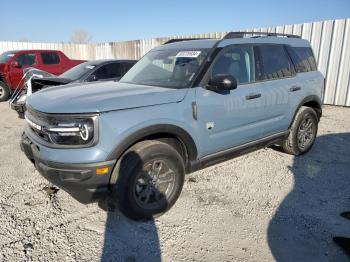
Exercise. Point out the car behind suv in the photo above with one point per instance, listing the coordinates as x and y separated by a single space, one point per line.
184 106
91 71
12 64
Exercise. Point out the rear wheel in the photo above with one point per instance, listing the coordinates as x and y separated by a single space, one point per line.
302 133
4 92
150 179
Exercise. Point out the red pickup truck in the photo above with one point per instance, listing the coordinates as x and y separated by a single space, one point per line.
12 64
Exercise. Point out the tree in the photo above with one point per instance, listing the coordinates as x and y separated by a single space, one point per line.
80 36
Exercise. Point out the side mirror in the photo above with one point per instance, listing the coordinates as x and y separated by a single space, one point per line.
16 64
222 83
91 78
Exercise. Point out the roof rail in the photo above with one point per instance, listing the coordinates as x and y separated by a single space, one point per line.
182 39
231 35
258 34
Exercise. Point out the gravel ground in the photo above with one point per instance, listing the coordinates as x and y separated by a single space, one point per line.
263 206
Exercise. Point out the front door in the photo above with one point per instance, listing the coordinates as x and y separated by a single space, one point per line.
16 73
255 109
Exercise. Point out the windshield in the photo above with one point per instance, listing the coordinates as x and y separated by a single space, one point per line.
166 68
6 56
78 71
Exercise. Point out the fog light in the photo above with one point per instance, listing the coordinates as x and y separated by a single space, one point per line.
102 170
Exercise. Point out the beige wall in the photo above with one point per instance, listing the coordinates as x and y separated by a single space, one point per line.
330 41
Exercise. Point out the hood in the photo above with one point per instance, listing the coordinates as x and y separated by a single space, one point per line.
101 97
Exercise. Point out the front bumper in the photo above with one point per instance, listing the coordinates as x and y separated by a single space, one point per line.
79 180
19 108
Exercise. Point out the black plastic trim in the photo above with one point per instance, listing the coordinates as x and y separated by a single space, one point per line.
236 151
176 131
311 98
231 35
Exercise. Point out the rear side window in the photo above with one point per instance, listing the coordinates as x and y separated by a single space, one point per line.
109 71
274 62
303 59
237 61
51 58
26 59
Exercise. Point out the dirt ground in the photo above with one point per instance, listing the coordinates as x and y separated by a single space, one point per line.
263 206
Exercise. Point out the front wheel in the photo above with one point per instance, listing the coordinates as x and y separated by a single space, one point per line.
4 92
302 133
150 176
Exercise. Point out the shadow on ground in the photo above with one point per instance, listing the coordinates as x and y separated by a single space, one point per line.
126 239
306 221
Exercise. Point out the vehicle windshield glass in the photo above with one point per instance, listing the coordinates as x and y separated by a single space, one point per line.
78 71
166 68
6 56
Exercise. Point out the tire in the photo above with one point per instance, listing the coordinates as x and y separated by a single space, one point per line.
4 92
142 175
305 126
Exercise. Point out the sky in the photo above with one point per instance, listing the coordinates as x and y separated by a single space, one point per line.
108 20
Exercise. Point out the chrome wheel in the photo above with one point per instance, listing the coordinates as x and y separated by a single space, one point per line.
2 91
154 184
306 133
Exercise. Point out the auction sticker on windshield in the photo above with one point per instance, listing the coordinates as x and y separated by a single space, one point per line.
192 54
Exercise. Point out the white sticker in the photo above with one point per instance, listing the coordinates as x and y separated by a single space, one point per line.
192 54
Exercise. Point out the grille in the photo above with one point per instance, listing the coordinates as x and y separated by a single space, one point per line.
39 119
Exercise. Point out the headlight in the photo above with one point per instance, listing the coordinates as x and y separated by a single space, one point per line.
73 132
22 99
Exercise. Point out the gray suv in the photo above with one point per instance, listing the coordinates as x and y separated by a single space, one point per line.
185 105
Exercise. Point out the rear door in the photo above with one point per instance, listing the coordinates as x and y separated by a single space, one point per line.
277 76
254 110
51 62
308 81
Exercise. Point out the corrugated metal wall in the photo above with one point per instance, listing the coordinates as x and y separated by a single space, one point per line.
330 41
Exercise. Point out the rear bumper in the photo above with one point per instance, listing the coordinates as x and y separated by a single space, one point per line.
19 108
79 180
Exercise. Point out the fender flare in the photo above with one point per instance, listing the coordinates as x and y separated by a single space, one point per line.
311 98
142 133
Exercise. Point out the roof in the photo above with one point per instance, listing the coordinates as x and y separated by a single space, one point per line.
209 43
33 50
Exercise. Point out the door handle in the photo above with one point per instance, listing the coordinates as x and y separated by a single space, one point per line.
252 96
294 88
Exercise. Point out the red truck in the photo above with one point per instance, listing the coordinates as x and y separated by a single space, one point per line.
12 64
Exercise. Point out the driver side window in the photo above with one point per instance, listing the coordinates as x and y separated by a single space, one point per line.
237 61
26 59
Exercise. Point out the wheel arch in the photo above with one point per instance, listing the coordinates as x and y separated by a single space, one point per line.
168 133
310 101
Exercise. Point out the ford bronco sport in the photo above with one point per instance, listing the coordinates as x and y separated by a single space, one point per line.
184 106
